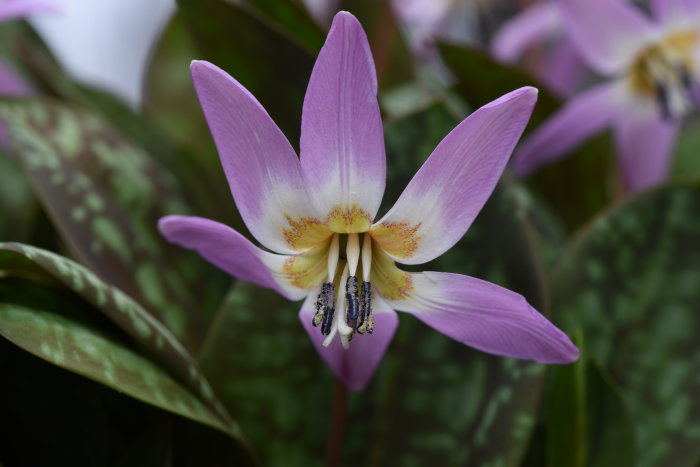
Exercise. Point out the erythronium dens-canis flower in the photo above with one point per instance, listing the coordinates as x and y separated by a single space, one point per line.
315 215
653 81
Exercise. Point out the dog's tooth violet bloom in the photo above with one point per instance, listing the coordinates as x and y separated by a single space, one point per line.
653 68
316 213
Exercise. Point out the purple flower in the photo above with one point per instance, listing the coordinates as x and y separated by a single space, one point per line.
316 213
653 72
541 27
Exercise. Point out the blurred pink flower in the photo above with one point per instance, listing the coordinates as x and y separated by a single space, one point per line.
652 68
541 27
426 21
316 213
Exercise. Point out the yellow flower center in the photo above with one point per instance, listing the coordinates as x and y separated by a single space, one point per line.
667 72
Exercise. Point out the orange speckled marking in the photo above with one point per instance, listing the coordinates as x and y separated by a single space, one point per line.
351 219
391 282
307 270
304 232
399 239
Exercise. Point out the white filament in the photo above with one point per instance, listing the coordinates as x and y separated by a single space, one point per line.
341 303
366 257
352 251
339 324
333 255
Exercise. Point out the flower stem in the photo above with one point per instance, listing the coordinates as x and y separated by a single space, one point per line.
337 429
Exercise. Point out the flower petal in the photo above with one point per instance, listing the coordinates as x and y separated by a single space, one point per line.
609 33
18 8
675 11
262 169
106 43
355 366
644 148
535 25
342 138
563 71
485 316
583 116
444 197
291 276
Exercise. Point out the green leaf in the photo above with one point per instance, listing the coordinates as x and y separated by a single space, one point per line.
261 363
56 417
588 423
77 347
273 66
18 207
105 196
293 17
19 260
630 282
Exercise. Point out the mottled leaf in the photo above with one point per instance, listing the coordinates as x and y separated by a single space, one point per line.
76 347
55 417
631 282
105 196
27 261
587 422
272 65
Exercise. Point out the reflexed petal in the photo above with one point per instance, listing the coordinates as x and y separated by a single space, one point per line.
444 197
342 138
262 169
106 43
355 366
485 316
644 148
536 24
609 33
291 276
11 9
583 116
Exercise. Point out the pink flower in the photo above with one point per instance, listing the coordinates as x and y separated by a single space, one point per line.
316 213
541 27
652 68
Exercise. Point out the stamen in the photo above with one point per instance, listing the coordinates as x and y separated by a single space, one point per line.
333 255
351 295
366 257
366 320
321 304
326 300
352 251
342 324
662 96
339 321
